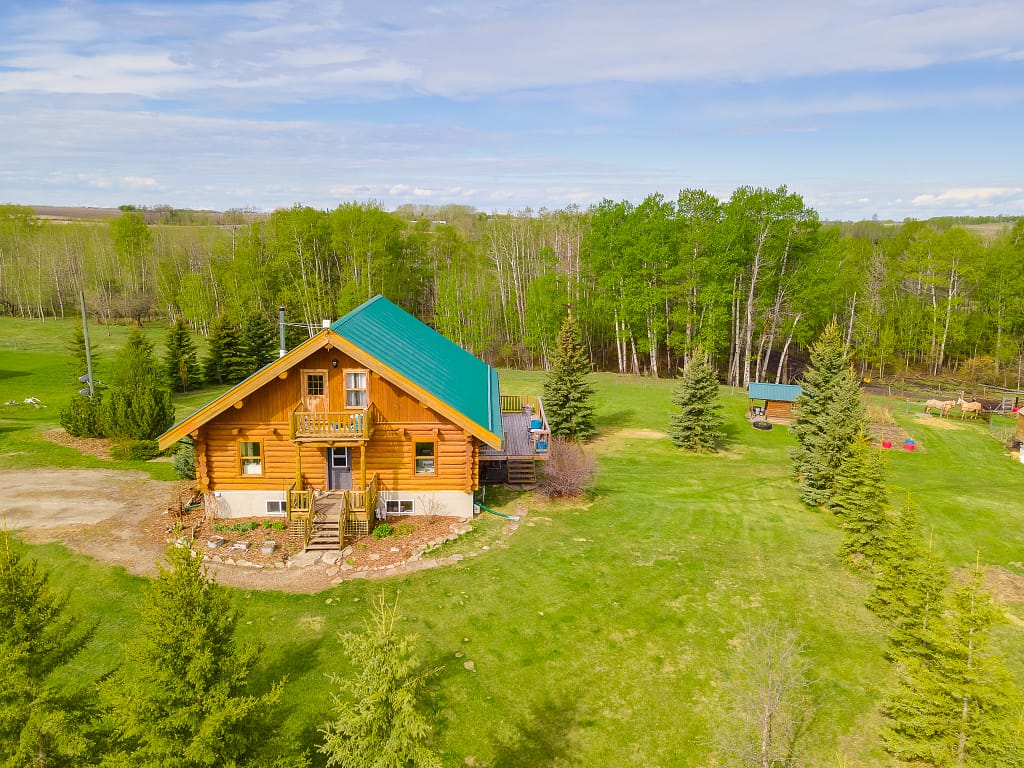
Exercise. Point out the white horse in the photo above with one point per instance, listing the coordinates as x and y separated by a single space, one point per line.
943 406
973 408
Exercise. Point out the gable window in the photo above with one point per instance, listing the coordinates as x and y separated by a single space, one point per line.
355 389
250 458
425 454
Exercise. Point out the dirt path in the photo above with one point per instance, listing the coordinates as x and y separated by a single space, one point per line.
110 515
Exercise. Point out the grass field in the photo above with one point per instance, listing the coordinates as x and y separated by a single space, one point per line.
599 632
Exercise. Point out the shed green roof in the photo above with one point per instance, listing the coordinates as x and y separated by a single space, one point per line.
426 358
787 393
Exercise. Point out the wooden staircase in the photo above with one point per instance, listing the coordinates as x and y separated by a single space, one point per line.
522 472
326 533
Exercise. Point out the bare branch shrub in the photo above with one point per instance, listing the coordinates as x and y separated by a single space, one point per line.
766 697
568 470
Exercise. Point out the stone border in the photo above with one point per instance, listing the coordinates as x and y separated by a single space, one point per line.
338 570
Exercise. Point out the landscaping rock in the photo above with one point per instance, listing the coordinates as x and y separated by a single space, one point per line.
304 559
330 558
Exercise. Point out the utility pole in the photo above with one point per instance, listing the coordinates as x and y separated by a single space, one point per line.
88 350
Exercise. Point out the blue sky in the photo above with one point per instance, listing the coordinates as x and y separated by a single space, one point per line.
880 107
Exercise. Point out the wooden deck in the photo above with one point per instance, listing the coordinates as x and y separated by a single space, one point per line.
520 441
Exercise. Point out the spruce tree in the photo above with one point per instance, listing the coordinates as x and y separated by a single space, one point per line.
41 724
224 363
910 581
957 705
861 503
380 721
258 344
568 397
829 418
181 361
182 698
138 403
697 425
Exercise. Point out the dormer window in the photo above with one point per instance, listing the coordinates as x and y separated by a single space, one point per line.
355 389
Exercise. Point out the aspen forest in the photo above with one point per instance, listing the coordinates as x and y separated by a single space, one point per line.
751 279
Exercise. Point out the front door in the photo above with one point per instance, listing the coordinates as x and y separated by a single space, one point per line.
339 469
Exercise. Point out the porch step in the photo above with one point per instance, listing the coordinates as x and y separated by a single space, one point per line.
522 472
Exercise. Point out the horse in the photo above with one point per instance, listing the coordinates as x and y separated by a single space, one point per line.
973 408
942 406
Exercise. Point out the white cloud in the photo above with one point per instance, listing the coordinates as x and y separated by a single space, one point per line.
181 51
963 196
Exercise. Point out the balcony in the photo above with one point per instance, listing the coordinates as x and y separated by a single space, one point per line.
331 427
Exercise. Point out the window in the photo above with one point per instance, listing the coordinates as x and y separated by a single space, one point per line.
339 458
315 384
424 453
277 507
250 457
398 507
355 389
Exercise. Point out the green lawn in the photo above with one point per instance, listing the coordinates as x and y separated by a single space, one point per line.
599 631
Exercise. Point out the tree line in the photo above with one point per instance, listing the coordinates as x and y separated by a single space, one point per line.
751 280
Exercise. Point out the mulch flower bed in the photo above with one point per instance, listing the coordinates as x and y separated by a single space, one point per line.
412 535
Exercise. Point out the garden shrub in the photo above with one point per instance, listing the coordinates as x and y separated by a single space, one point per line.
383 530
134 450
568 470
404 529
83 416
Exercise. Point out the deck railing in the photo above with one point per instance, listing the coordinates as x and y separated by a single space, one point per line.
310 426
511 403
299 511
359 507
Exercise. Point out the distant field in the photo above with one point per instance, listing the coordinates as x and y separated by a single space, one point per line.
599 632
84 213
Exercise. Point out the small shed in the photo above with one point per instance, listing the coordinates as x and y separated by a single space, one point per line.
772 402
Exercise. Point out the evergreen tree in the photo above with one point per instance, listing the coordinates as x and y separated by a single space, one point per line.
224 363
83 416
910 582
138 403
829 417
568 397
861 502
40 724
185 460
957 705
181 361
697 426
182 698
258 345
380 723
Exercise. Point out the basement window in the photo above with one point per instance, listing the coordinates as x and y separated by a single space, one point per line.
398 507
277 507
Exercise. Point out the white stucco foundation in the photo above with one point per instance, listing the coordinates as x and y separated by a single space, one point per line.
444 503
244 503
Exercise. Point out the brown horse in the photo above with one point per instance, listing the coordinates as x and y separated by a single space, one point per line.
943 406
973 408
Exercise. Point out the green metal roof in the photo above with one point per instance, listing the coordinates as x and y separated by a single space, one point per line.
426 358
787 393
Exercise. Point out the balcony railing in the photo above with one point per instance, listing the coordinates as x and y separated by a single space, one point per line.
331 426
